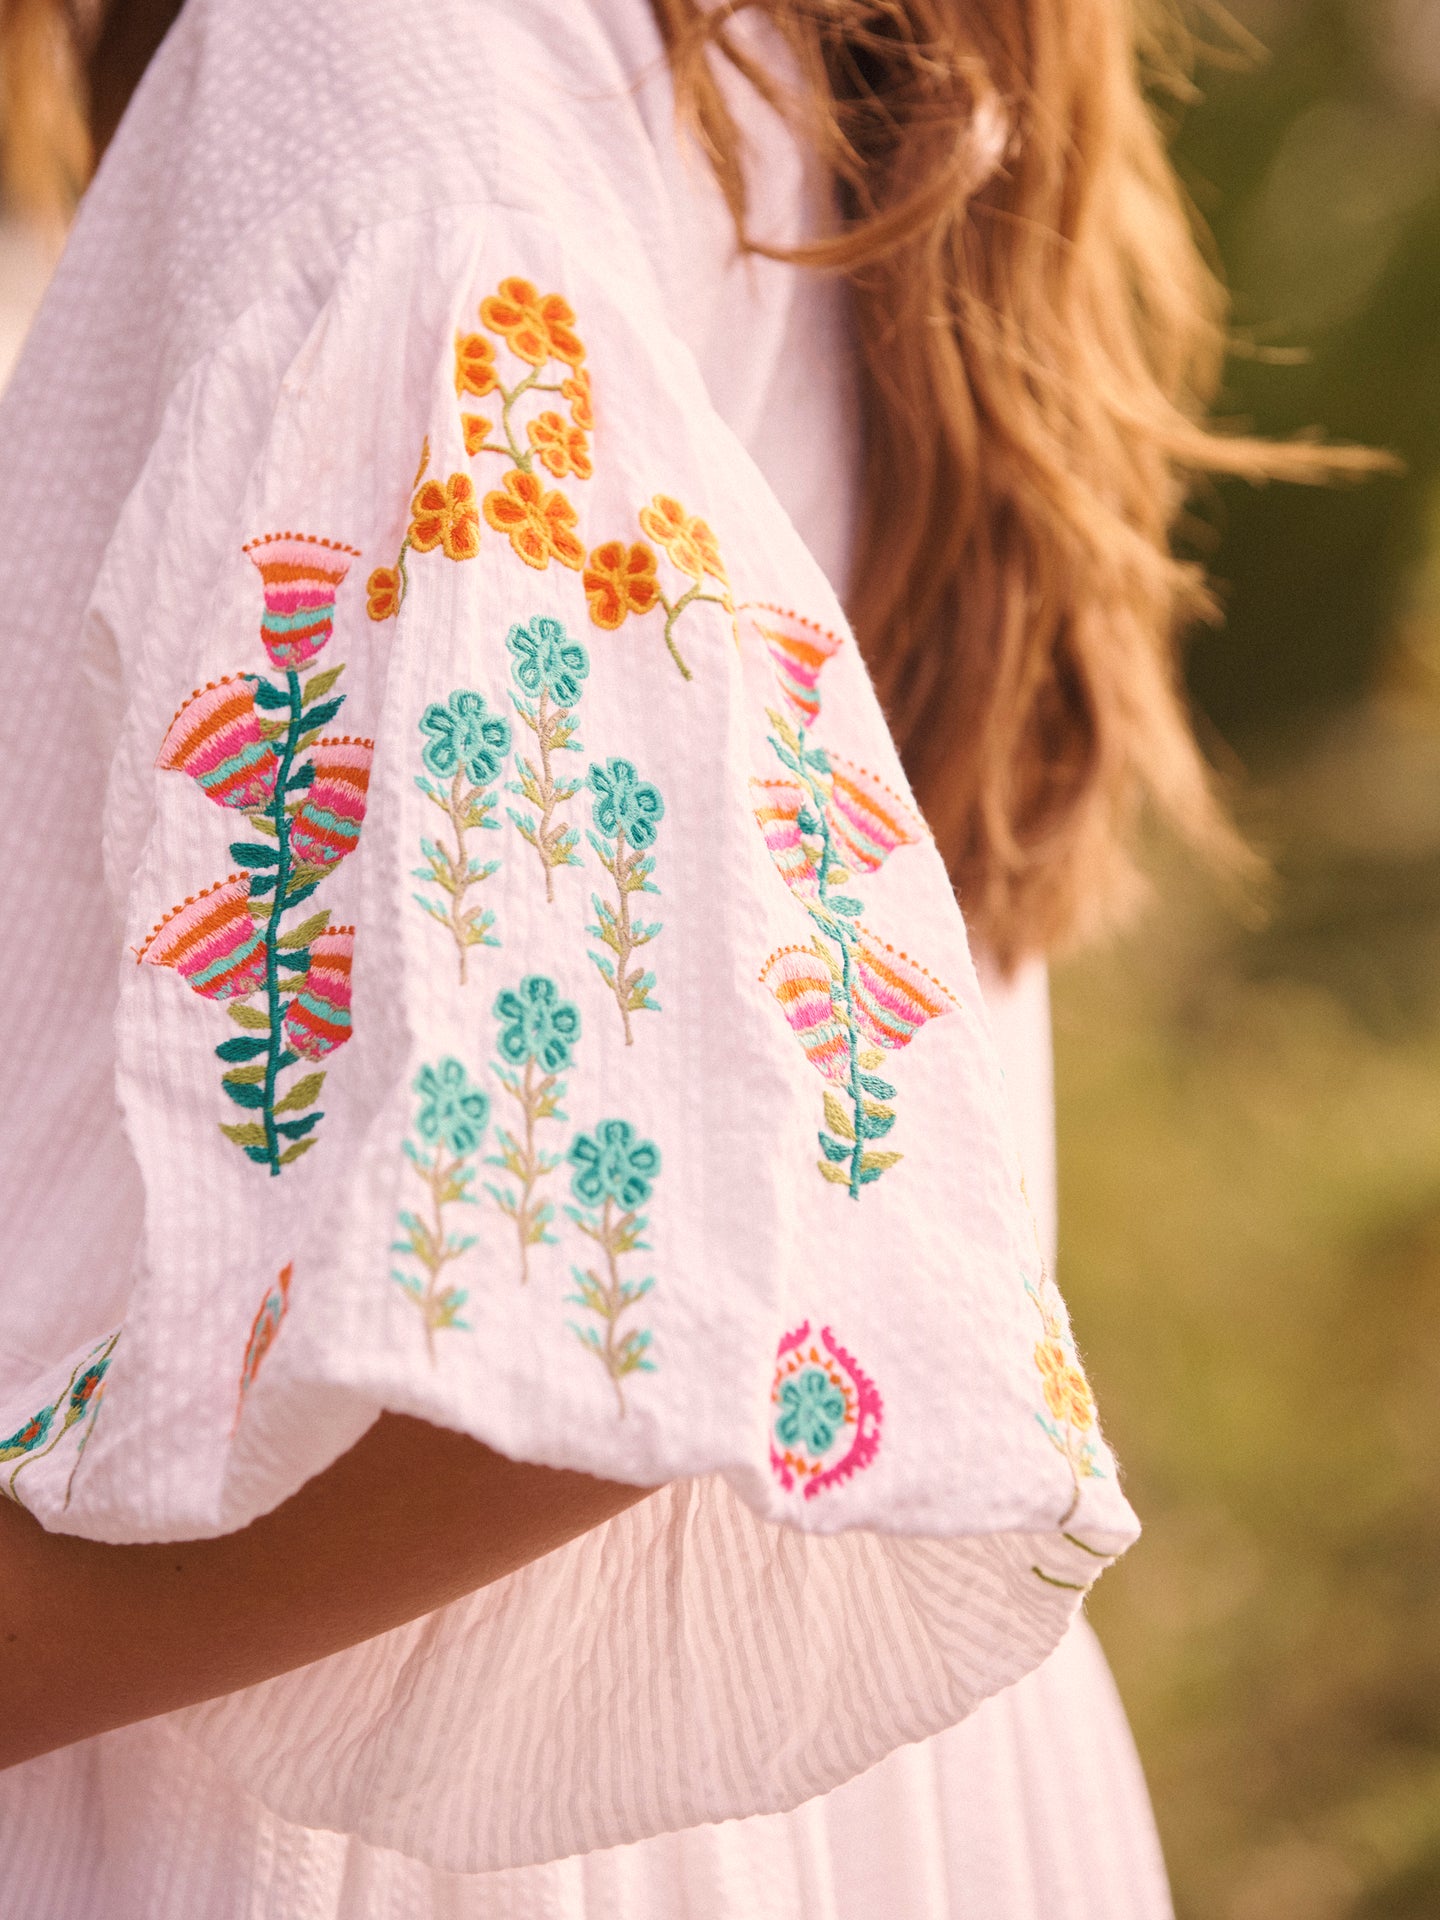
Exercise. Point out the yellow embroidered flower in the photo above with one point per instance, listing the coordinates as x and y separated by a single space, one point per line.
442 514
540 525
560 447
1067 1391
382 593
475 365
537 326
619 581
476 430
582 401
689 541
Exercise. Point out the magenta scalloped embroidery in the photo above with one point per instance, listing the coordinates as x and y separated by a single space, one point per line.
263 1332
255 744
826 1413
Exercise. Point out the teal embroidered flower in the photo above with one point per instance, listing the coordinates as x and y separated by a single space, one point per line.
34 1433
613 1163
465 733
536 1024
624 803
812 1411
546 656
451 1110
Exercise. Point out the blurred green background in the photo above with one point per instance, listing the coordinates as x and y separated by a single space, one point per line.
1250 1108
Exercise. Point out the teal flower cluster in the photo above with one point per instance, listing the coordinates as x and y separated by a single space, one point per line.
463 732
812 1411
452 1111
536 1024
546 657
624 803
613 1163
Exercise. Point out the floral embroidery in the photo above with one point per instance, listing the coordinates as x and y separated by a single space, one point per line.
474 366
826 1414
582 401
537 327
263 1330
548 668
560 448
619 582
450 1124
538 1034
77 1402
614 1174
466 745
387 587
540 523
258 747
849 997
627 811
1069 1422
443 515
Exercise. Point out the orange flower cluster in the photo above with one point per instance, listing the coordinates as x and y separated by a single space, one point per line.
619 581
443 515
536 326
562 449
540 525
1067 1391
475 365
689 541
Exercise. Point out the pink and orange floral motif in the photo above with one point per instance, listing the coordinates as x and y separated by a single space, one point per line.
317 1020
263 1331
212 942
621 581
538 521
850 997
327 824
301 576
256 745
217 738
825 1414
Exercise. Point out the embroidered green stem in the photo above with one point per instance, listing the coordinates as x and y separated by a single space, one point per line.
553 841
276 1056
538 1100
673 611
465 807
432 1247
523 458
609 1301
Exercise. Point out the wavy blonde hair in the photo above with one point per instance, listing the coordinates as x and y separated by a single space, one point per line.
1040 337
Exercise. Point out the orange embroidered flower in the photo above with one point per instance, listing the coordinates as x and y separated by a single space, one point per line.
582 401
475 365
619 581
540 525
688 540
1067 1391
476 429
560 447
442 514
537 326
708 548
382 593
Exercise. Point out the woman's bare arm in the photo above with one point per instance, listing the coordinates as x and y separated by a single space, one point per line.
95 1636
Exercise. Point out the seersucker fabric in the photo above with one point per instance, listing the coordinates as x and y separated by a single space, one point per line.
473 952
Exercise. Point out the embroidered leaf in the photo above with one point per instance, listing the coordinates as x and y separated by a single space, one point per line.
835 1150
845 903
245 1133
297 1129
307 931
297 962
294 1153
241 1049
837 1175
262 1154
301 1094
267 695
322 715
296 894
240 1075
249 855
873 1084
870 1058
303 779
876 1122
837 1119
262 884
244 1016
318 684
244 1093
876 1163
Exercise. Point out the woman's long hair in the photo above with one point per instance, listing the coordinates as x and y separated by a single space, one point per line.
1040 337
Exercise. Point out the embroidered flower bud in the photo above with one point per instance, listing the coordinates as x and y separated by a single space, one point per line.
798 650
893 996
212 942
801 983
317 1020
301 576
867 820
216 739
327 824
779 807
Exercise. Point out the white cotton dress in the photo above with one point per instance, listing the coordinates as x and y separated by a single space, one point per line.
470 951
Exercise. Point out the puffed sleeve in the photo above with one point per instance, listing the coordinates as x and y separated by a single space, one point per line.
543 1011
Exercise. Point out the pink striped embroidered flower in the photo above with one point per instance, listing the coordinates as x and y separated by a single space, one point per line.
216 739
867 820
301 576
778 807
212 942
800 982
826 1413
894 997
264 1328
798 650
317 1019
327 824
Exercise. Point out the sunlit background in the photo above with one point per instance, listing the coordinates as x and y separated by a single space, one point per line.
1250 1110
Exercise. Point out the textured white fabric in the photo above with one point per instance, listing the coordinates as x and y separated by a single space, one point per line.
299 217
